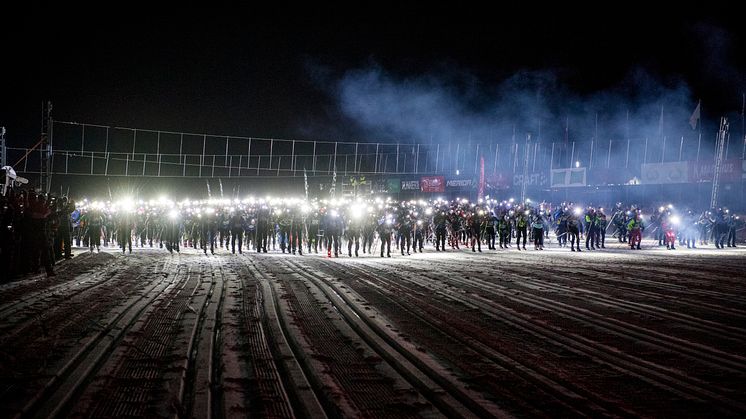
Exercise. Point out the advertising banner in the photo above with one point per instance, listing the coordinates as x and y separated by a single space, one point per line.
664 173
533 179
393 185
410 185
499 180
732 170
618 176
435 184
563 178
459 184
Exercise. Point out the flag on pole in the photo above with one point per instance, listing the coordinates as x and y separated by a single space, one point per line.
660 123
305 182
695 116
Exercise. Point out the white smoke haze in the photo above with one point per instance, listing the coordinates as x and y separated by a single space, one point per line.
456 107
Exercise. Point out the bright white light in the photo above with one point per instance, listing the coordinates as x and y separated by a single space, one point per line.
661 209
357 211
419 222
335 213
127 204
577 164
428 211
511 200
480 212
527 212
675 220
458 172
578 211
173 214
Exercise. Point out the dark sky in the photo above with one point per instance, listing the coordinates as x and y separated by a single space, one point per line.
247 73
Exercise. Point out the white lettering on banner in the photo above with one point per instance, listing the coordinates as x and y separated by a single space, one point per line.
534 179
410 185
731 170
458 183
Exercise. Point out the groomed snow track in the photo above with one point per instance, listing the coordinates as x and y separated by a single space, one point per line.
454 334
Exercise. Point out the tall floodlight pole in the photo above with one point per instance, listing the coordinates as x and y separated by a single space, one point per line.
3 157
525 169
720 147
743 122
46 147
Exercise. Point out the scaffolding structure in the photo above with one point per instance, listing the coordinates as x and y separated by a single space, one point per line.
101 150
722 138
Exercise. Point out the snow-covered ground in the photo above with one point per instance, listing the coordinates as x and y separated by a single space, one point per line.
613 332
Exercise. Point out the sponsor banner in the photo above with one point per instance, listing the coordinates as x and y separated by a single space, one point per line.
433 184
410 185
499 181
533 179
620 176
664 173
393 185
563 178
732 170
459 184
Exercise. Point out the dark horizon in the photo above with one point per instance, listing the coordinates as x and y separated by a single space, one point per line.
383 79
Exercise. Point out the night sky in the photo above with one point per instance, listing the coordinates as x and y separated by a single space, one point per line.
247 73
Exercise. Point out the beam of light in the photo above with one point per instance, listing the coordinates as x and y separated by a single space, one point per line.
126 204
356 211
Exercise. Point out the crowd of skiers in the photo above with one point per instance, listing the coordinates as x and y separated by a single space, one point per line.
40 229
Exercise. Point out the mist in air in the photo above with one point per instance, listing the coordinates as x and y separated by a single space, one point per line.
458 107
